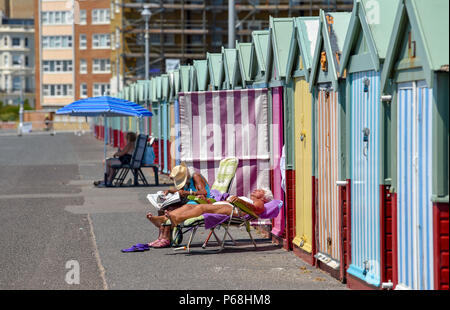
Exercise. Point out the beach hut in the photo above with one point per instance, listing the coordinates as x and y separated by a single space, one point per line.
165 122
261 40
367 176
299 147
328 98
415 79
282 33
175 131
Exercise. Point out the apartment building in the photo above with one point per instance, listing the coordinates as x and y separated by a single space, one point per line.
73 50
93 49
16 52
16 60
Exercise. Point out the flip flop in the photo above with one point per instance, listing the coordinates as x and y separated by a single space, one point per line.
136 248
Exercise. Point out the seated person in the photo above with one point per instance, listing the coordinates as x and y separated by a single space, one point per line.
258 198
187 182
120 157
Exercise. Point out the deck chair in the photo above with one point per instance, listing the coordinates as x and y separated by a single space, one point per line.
272 209
222 184
122 170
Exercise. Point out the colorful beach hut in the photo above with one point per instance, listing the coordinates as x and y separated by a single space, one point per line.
282 31
300 179
415 75
369 261
328 98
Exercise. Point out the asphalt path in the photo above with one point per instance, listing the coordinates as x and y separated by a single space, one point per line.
53 220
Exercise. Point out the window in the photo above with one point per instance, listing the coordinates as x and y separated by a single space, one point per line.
101 89
56 41
5 41
27 63
57 90
83 66
57 66
17 83
83 41
57 18
101 16
197 39
83 90
15 42
6 60
26 42
217 37
83 17
101 66
101 41
154 40
17 60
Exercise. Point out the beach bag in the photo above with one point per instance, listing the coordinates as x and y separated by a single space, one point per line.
149 156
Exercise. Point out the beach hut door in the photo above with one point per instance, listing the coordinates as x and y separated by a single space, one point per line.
414 160
364 173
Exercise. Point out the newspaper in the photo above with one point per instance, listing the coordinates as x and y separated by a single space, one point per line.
159 201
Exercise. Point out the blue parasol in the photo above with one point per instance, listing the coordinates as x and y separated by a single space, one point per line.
104 106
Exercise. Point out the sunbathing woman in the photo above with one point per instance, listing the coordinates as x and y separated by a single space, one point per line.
256 203
187 182
120 157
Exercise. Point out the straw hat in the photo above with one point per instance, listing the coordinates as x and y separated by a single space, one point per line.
180 174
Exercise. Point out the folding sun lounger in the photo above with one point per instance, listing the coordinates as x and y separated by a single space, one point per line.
222 185
212 221
134 166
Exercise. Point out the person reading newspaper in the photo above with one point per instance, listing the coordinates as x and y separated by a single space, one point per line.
187 182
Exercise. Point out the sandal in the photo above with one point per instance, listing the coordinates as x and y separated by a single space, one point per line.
154 242
163 243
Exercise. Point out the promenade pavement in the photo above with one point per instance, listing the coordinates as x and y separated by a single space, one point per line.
52 216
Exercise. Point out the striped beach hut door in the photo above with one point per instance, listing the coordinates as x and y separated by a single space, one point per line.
415 209
303 166
327 174
365 176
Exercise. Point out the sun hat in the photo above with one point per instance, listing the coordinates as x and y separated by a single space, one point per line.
180 174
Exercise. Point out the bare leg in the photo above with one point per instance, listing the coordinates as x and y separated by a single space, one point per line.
189 211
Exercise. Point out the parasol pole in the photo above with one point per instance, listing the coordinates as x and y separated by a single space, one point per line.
105 123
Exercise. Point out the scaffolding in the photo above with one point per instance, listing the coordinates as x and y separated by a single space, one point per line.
185 30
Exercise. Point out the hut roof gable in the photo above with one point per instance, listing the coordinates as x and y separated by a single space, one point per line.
201 74
330 38
303 44
216 70
429 25
282 31
247 61
370 27
261 40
